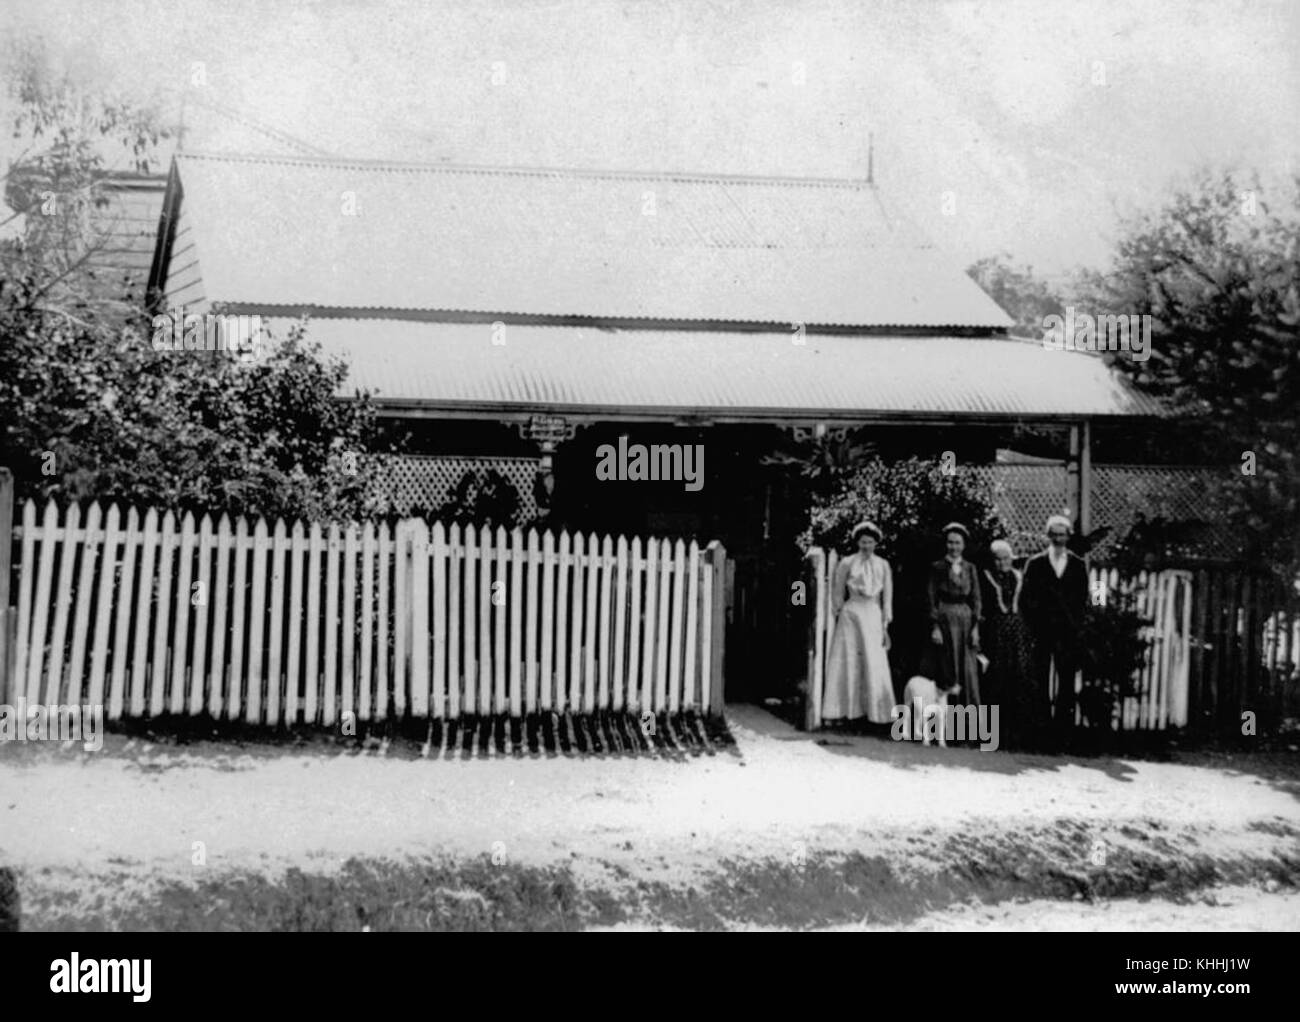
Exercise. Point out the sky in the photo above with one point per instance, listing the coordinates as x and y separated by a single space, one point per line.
1028 128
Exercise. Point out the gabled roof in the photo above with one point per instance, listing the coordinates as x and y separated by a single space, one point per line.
275 234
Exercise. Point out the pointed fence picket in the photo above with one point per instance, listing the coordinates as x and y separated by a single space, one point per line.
277 624
122 620
275 643
103 606
201 601
368 592
380 708
586 701
62 603
485 560
331 626
144 602
455 566
256 626
83 593
184 597
219 598
635 578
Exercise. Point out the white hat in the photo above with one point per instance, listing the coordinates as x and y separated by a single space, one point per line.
868 527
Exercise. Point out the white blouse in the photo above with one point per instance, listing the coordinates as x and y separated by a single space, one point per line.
867 575
866 578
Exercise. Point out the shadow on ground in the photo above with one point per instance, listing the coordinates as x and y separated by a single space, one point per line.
1274 759
667 736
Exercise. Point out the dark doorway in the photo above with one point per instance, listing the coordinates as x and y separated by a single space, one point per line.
744 504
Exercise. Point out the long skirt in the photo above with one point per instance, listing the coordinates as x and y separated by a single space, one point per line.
857 669
1010 681
956 658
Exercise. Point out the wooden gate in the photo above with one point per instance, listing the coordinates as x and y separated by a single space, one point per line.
1161 687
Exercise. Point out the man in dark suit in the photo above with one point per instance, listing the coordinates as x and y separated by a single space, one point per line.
1053 599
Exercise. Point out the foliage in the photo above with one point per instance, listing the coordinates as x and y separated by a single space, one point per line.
88 414
1027 299
1218 270
911 501
88 408
1150 544
67 125
822 463
481 499
1114 642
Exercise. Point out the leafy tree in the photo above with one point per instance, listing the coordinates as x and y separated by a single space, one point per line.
911 501
66 125
88 415
1217 267
1024 297
88 408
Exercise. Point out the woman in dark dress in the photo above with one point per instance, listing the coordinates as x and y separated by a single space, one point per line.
1010 676
955 611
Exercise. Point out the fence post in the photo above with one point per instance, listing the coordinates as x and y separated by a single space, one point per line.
6 569
717 695
816 558
809 705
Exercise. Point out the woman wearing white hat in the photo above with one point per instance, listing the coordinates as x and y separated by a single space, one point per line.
858 682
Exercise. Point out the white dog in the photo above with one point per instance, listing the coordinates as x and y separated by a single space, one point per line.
933 701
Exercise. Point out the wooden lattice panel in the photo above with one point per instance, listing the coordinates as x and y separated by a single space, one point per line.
427 483
1176 494
1026 495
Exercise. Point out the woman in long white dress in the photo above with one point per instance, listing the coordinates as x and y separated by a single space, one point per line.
857 671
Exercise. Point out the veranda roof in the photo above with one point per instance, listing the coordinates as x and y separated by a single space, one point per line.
424 367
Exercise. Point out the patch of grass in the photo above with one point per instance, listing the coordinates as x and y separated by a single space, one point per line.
380 894
1055 862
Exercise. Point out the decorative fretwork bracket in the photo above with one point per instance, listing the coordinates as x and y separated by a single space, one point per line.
548 432
803 433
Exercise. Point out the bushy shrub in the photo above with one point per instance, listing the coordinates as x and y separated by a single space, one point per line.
911 501
482 498
91 411
1114 642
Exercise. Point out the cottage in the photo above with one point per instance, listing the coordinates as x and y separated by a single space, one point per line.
524 320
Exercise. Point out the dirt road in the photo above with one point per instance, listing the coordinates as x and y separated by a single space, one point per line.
802 831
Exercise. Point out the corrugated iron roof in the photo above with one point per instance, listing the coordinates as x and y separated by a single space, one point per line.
673 247
720 375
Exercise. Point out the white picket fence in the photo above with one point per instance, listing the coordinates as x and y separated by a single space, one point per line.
1161 684
278 625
